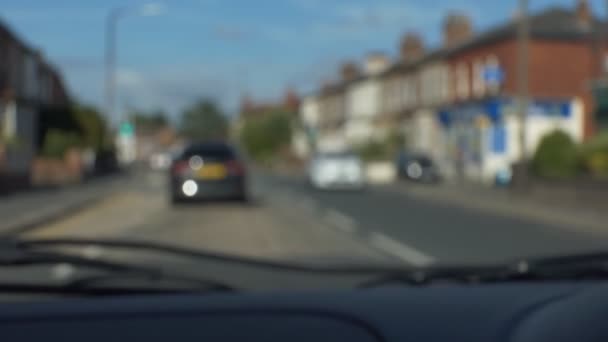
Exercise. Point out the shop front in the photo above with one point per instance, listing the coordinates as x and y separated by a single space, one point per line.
481 138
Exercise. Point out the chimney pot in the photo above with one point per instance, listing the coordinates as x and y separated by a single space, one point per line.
457 28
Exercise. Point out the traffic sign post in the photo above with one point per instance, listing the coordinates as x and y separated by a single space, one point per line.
126 143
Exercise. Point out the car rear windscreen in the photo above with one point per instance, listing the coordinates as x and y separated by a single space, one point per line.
210 152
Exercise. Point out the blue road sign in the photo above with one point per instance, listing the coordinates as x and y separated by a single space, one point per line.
493 75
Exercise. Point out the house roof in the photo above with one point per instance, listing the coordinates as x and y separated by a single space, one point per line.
553 23
7 32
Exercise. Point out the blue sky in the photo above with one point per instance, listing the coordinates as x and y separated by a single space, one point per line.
220 48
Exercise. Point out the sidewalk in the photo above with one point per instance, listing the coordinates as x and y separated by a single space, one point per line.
23 211
558 207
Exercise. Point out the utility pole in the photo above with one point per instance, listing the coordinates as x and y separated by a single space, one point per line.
523 39
604 46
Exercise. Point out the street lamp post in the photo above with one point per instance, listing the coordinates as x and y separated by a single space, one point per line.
151 9
110 61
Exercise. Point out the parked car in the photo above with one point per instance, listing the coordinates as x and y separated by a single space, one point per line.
208 171
417 167
336 170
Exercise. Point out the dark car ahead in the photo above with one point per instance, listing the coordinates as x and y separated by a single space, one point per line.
417 167
208 171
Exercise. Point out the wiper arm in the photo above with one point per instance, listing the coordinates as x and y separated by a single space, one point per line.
570 267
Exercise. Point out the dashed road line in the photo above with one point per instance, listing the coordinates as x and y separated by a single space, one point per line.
400 250
341 221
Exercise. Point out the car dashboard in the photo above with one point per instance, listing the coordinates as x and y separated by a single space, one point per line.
522 312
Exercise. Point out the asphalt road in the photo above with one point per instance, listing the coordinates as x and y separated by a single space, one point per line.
420 231
287 220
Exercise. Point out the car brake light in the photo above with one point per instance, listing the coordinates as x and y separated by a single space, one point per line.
181 167
235 168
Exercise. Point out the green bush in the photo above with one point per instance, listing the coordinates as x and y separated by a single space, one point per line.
557 156
376 150
57 143
595 155
382 149
263 137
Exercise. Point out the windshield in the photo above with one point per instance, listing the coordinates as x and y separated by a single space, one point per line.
478 139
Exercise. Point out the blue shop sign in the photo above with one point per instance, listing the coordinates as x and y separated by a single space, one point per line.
493 75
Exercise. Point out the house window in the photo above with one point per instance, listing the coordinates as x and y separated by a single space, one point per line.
462 81
445 84
479 86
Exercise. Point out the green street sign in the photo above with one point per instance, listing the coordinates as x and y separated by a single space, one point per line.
127 129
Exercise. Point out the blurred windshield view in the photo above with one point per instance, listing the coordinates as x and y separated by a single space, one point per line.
448 132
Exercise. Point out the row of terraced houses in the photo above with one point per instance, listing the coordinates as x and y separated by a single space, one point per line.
457 103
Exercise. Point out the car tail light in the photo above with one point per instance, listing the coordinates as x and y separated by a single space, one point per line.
235 168
180 167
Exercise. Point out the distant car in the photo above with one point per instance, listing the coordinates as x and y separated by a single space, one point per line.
417 167
336 170
160 161
208 171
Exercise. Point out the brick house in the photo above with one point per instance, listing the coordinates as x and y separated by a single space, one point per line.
28 84
479 121
457 102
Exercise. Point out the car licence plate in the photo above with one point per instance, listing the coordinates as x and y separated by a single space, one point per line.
212 172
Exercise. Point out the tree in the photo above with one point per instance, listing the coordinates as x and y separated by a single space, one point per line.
263 137
204 121
150 121
93 127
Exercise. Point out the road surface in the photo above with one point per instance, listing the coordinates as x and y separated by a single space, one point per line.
287 220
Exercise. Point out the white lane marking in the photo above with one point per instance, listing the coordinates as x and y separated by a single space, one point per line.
341 221
400 250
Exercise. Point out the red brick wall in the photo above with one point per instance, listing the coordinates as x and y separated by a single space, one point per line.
505 52
556 69
564 69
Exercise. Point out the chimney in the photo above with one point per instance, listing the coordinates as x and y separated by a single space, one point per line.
457 28
583 13
349 71
376 63
291 101
412 47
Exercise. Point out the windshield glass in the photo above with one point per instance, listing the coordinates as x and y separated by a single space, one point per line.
475 139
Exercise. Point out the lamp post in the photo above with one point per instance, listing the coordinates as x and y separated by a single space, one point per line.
114 15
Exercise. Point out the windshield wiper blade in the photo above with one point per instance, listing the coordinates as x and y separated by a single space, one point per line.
211 256
15 254
44 289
